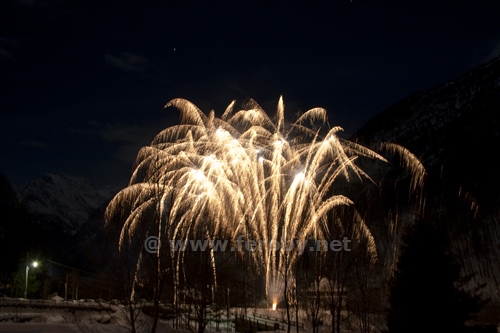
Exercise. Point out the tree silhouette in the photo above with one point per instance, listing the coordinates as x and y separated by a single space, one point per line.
19 283
427 292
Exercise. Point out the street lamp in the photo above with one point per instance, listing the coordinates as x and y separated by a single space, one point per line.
34 264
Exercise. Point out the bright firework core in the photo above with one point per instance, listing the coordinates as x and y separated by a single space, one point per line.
244 173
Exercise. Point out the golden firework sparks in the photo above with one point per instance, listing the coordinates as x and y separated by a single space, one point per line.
243 174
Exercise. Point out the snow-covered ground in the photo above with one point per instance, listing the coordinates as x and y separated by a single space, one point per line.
68 316
19 315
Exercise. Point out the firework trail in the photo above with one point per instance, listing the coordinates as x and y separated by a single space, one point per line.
241 174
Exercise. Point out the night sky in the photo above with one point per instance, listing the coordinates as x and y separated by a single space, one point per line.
83 84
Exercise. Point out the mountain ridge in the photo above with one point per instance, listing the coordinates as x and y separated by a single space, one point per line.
417 122
66 201
454 129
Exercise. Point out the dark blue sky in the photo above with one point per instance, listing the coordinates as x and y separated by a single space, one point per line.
82 84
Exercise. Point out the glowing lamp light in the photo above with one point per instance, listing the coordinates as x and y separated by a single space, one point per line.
34 264
274 306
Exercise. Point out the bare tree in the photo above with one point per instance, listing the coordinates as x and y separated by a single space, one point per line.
199 286
365 299
312 295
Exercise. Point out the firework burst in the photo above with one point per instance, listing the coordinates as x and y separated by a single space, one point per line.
244 173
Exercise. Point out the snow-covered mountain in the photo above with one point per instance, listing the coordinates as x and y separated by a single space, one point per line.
431 121
454 128
63 201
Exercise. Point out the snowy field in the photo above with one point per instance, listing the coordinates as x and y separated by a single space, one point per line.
19 315
37 316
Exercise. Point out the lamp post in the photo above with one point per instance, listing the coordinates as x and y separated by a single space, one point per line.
26 284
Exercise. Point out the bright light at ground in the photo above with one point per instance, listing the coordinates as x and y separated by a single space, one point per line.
274 306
